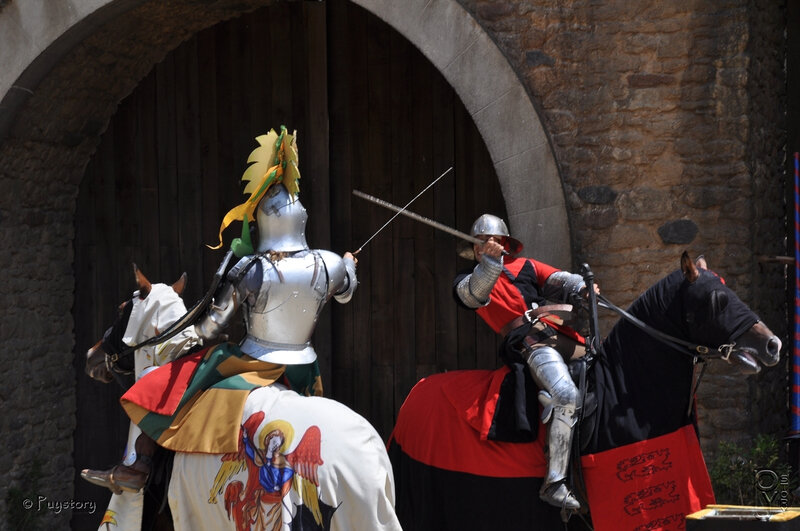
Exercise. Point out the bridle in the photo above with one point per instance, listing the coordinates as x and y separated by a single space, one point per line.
114 354
699 354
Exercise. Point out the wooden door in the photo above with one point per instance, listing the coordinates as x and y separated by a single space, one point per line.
371 114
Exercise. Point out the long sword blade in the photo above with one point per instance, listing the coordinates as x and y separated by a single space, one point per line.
417 217
400 210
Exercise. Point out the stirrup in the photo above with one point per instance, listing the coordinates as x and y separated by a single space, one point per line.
558 495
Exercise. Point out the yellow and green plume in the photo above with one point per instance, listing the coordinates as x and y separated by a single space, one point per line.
274 161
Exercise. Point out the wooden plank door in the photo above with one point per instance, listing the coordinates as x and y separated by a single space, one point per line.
371 114
396 125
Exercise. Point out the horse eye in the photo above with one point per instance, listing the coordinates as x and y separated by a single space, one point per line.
719 301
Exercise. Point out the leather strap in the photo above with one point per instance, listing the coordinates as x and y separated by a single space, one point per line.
533 315
535 338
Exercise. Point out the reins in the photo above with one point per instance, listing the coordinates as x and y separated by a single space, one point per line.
698 353
684 347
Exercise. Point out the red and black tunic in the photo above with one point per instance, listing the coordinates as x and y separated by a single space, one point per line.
520 284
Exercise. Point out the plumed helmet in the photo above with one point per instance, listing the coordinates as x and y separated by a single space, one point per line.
281 221
489 225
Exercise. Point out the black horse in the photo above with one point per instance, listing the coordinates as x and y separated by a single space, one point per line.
642 465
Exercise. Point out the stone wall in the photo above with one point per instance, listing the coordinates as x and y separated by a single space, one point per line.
771 207
666 119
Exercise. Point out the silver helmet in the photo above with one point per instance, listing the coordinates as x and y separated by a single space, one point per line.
281 222
489 225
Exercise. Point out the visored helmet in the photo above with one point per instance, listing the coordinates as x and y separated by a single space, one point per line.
281 222
489 225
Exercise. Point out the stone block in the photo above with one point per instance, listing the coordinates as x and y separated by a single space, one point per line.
682 231
597 195
536 228
644 203
532 181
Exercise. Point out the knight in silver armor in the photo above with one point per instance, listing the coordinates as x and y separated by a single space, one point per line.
500 288
282 288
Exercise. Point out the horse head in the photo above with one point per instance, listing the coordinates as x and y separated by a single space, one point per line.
151 309
647 373
715 317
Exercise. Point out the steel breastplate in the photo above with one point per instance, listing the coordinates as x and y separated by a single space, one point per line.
282 320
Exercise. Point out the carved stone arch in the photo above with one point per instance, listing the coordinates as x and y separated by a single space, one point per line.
502 111
444 32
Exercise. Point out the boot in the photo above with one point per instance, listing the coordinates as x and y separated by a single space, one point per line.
559 437
123 477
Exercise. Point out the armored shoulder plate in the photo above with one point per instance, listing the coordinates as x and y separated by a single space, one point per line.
226 301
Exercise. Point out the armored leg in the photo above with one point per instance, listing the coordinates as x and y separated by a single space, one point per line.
559 397
123 477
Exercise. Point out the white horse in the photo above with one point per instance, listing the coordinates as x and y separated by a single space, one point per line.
303 462
152 308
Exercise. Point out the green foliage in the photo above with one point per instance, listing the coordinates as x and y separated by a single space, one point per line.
753 476
21 513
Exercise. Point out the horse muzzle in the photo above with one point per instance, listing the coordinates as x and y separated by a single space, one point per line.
758 346
773 351
96 366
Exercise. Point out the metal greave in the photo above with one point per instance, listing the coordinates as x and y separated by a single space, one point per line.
559 397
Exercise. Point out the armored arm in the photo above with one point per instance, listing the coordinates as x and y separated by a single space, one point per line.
342 280
474 289
350 283
233 292
563 286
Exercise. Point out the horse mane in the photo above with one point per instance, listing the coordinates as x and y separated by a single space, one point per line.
658 308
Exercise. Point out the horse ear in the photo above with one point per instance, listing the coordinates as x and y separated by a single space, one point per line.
701 262
144 285
690 271
180 284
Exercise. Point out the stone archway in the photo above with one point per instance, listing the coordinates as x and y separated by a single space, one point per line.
67 70
445 33
501 109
